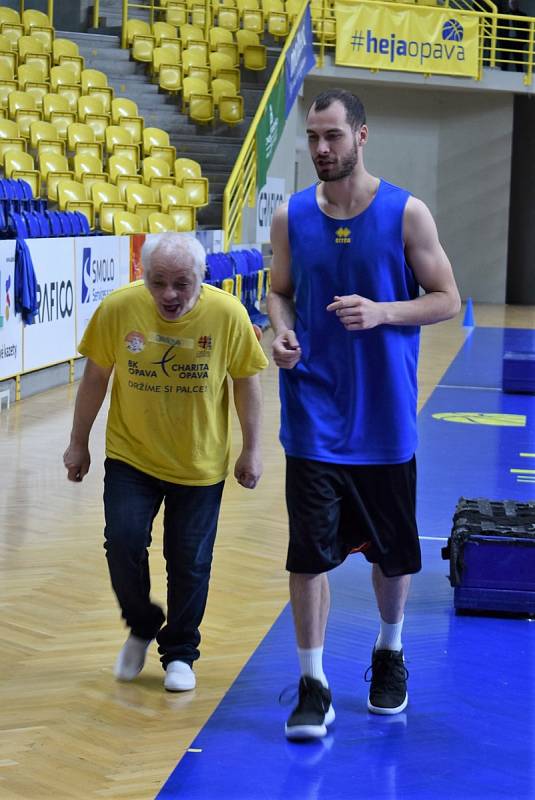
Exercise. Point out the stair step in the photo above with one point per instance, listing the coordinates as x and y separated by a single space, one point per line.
214 146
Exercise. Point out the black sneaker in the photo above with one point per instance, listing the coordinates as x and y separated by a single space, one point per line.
313 713
388 690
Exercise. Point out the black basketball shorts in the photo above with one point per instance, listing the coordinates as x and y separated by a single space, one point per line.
338 509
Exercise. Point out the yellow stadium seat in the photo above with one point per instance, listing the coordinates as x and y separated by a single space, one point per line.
219 61
12 31
6 88
6 71
136 27
81 139
255 57
166 54
197 100
22 108
176 14
190 33
218 35
75 64
221 87
192 58
88 170
198 15
64 47
253 20
89 105
231 109
119 142
37 24
10 139
229 49
172 195
155 169
156 143
140 200
183 217
64 75
200 46
10 59
56 109
63 81
160 223
31 18
106 201
229 18
122 171
246 39
126 223
170 77
196 191
18 164
32 51
172 44
187 168
72 196
9 15
34 73
142 47
278 24
53 168
163 30
124 112
95 84
44 136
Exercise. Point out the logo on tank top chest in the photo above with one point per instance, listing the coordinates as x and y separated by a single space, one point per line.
343 236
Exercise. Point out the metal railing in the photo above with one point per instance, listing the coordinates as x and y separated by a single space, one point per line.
154 11
241 185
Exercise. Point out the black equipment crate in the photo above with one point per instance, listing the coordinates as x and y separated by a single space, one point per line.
491 551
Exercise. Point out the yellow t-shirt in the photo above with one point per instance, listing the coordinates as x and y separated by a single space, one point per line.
169 411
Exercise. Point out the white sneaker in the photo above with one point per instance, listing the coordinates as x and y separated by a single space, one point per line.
179 677
131 658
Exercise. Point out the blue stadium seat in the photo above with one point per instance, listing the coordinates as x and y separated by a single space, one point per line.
55 223
85 230
17 226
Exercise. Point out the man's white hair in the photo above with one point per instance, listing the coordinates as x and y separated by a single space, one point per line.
171 247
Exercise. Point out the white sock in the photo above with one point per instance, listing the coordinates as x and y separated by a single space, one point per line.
389 635
311 663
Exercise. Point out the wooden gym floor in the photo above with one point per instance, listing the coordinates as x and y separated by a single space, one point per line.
67 729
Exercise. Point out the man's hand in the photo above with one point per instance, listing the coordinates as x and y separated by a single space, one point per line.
357 313
286 350
77 461
248 468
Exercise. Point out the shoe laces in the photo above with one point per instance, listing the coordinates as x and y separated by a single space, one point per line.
389 670
310 693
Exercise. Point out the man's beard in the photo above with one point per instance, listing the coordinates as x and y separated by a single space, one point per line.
347 165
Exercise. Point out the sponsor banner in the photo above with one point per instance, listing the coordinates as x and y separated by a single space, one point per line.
269 197
415 39
270 129
10 326
299 60
51 339
97 267
136 267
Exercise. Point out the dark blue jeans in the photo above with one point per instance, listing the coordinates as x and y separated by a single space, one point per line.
131 501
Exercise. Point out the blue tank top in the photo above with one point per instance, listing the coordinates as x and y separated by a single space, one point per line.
352 397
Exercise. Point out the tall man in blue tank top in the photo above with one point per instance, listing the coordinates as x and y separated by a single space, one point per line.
349 257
